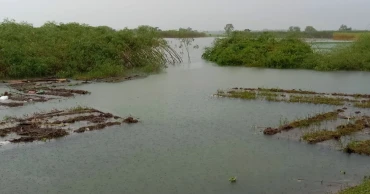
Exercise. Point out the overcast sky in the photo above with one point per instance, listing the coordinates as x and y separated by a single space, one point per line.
198 14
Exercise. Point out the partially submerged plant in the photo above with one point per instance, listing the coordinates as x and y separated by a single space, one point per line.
359 147
342 130
232 179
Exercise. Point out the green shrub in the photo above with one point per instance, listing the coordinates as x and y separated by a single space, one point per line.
74 49
265 50
258 51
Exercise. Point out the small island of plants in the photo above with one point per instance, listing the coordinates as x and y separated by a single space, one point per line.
267 51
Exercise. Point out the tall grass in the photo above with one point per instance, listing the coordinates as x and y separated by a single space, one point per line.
268 51
67 50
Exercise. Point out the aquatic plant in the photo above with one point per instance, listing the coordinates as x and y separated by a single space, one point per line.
316 100
342 130
232 179
359 147
365 104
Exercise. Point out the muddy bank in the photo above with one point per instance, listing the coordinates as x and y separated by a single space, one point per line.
22 92
53 125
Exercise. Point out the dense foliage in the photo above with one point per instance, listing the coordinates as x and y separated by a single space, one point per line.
258 51
265 50
74 49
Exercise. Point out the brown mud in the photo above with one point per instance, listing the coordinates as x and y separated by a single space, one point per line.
38 90
43 126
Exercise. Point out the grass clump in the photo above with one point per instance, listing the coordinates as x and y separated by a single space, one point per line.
359 147
342 130
320 136
267 51
363 188
316 100
68 50
314 119
362 104
238 94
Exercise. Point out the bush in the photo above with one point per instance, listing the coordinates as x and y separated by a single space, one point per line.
73 49
265 50
259 51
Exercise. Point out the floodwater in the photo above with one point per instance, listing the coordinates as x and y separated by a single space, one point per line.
188 141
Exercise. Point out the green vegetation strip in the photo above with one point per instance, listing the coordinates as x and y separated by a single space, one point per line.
342 130
365 104
274 97
359 147
267 51
80 51
363 188
302 123
316 100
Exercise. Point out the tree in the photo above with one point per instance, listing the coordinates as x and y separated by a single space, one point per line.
185 41
229 28
310 29
344 28
294 29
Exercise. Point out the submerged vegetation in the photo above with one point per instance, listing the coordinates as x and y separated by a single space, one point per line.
296 96
79 50
360 147
267 51
342 130
306 122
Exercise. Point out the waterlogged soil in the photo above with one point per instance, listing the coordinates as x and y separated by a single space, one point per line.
54 124
23 92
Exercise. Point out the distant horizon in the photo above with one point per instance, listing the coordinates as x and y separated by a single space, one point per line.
220 30
205 15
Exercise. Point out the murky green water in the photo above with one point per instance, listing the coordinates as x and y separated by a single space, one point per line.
188 141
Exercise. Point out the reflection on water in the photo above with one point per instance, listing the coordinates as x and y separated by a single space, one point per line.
188 141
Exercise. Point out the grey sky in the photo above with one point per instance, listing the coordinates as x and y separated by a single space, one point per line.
198 14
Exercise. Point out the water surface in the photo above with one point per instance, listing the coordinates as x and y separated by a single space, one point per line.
188 141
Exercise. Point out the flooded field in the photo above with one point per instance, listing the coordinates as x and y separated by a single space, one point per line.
188 140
